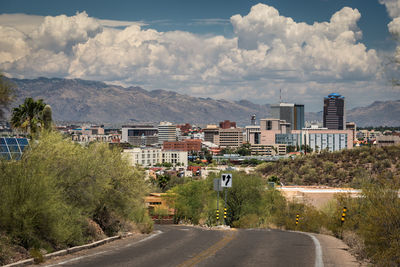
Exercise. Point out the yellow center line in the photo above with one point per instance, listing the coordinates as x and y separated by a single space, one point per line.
211 250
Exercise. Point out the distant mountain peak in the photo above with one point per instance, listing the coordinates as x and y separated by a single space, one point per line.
85 100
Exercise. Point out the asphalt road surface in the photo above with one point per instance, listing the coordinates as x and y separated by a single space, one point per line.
174 245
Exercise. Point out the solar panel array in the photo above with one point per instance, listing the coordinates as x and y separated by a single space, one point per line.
12 148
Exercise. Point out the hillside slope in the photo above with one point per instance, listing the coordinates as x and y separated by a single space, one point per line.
339 169
79 100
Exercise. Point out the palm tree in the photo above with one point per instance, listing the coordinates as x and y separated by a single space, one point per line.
28 116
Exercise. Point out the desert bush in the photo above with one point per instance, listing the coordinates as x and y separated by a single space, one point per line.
37 255
190 200
380 225
94 231
32 209
286 218
310 176
143 221
265 167
247 221
341 166
356 244
372 223
245 196
272 204
311 220
386 163
50 193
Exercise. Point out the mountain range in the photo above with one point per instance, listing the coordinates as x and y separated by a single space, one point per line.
97 102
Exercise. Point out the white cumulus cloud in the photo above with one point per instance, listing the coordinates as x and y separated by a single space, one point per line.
393 9
267 50
392 6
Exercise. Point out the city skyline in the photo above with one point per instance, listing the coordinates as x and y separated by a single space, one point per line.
242 51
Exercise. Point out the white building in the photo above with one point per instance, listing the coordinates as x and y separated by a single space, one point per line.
145 157
148 157
324 139
174 157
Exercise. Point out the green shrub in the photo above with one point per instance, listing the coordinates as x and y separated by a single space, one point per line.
380 225
32 207
190 200
247 221
48 196
37 255
144 223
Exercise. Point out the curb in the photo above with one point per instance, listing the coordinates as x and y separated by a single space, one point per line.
69 250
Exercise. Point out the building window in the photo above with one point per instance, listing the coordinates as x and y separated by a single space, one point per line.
154 203
269 125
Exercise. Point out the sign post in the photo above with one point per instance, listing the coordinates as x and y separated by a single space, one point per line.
226 181
217 187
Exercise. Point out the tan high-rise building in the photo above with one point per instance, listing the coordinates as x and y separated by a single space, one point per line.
232 138
210 132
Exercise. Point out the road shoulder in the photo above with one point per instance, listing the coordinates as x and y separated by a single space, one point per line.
105 248
336 253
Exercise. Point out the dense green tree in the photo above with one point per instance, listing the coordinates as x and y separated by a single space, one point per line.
163 180
192 201
244 197
306 148
244 150
290 149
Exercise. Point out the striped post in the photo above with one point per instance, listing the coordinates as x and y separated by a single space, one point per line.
343 214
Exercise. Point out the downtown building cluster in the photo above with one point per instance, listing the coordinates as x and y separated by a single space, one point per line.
283 131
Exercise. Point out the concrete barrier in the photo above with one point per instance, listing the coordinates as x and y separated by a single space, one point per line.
69 250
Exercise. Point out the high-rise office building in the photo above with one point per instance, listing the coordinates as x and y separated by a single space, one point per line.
291 113
139 135
334 113
298 117
166 132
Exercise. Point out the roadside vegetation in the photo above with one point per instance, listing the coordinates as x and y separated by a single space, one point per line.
61 194
372 222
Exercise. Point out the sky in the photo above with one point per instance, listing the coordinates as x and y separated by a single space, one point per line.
237 49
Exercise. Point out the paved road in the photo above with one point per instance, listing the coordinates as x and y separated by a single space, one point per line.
175 245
